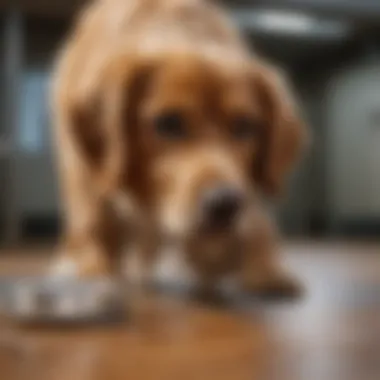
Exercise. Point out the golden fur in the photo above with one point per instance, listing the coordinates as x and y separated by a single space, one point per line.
125 63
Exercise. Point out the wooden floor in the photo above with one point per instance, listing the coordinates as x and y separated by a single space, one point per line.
333 334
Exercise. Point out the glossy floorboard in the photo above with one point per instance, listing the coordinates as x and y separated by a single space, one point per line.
332 334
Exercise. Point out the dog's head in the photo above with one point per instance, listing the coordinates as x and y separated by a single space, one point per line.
192 139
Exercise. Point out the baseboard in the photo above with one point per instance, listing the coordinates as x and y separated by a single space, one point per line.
41 226
362 228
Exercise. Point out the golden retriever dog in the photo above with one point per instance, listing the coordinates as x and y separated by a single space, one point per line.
168 130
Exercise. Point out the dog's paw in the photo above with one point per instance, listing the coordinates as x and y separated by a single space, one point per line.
279 286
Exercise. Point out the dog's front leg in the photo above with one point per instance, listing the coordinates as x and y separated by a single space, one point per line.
261 272
94 248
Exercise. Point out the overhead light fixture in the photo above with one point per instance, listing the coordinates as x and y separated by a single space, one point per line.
285 21
290 23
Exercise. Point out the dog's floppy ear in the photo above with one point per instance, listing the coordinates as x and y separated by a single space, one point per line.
103 119
284 134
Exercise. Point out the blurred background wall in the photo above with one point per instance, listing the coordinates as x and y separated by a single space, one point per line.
331 52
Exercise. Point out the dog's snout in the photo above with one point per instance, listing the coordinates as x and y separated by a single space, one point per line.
221 205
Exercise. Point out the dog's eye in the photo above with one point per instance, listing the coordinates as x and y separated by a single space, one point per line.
245 127
170 125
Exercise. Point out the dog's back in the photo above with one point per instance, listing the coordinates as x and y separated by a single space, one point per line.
110 27
138 22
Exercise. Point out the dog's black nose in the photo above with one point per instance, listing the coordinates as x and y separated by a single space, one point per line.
221 205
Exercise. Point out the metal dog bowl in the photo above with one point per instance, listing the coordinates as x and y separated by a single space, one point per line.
46 300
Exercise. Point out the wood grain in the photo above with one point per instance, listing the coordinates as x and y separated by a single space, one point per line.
332 334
